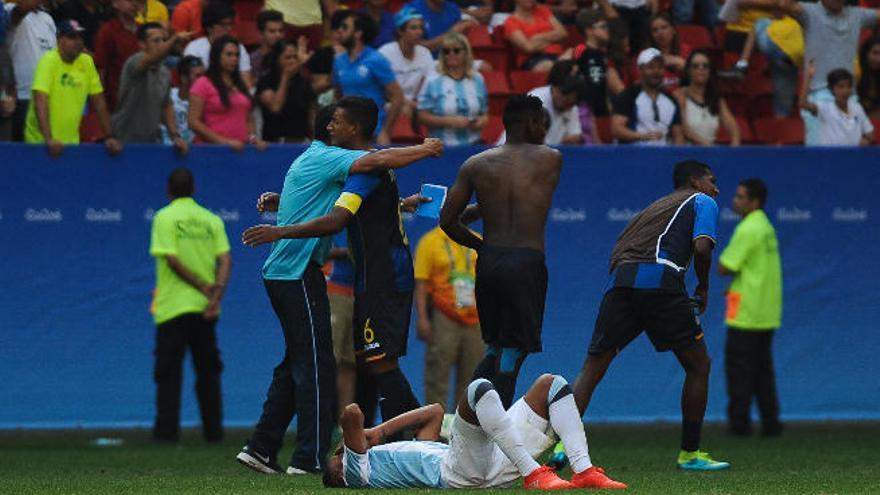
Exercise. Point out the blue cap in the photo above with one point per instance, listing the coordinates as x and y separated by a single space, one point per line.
405 15
70 27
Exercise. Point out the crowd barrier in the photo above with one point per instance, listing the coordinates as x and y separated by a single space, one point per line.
76 344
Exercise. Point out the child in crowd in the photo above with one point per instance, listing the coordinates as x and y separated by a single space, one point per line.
842 122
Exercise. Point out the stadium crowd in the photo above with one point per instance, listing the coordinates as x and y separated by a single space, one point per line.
252 72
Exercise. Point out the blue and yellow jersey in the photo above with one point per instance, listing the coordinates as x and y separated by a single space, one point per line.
378 243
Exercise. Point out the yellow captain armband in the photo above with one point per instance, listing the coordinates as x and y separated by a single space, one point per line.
349 201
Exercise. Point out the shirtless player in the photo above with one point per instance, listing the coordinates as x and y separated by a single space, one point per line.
514 184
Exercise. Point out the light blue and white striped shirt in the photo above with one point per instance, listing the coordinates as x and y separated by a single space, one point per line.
445 96
409 464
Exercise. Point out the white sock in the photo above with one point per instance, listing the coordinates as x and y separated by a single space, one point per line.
567 423
494 421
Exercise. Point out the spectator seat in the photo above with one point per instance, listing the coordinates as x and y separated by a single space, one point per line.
523 81
779 131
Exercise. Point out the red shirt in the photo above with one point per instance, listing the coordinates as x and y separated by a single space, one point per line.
187 16
113 45
672 79
540 24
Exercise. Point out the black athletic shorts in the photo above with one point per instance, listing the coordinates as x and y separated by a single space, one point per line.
511 287
381 325
667 317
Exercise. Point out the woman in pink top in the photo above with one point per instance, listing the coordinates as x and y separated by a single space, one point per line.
536 34
220 103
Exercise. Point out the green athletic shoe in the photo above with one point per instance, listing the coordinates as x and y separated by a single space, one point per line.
558 459
699 461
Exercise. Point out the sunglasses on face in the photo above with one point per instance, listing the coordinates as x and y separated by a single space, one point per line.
447 51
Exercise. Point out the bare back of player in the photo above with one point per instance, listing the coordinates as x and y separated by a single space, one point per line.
514 186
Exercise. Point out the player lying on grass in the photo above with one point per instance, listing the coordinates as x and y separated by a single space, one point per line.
489 447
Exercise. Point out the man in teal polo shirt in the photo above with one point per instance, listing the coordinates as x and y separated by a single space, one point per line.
304 383
754 312
192 268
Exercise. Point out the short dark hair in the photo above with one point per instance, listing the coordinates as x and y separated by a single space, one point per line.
686 170
566 76
362 112
838 75
365 24
322 120
338 18
188 63
215 12
331 481
588 18
267 16
181 183
756 189
144 28
520 109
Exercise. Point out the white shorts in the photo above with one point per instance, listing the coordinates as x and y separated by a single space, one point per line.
475 461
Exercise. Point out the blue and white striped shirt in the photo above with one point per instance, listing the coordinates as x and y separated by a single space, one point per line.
408 464
445 96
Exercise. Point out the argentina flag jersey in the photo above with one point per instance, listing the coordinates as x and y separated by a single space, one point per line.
445 96
409 464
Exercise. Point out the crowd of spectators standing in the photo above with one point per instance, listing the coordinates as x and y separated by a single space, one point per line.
252 72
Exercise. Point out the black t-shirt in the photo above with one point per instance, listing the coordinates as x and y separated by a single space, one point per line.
292 123
594 68
322 61
90 21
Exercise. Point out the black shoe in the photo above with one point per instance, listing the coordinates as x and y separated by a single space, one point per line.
257 461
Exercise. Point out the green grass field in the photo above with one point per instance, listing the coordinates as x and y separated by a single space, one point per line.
808 459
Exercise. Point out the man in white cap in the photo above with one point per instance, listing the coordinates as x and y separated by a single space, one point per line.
643 113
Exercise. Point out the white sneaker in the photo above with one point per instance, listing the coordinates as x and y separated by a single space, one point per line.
292 471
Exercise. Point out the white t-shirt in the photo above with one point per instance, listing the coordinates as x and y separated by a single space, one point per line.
410 74
842 129
562 124
201 48
28 41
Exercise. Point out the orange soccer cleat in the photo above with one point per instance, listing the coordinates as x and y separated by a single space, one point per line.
594 477
544 478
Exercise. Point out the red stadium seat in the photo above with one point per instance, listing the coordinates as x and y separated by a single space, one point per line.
498 89
248 33
603 125
479 36
779 131
760 106
403 132
876 124
496 82
497 56
247 10
745 133
694 35
90 128
523 81
493 130
575 37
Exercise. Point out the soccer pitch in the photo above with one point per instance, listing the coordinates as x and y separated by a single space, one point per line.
808 459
